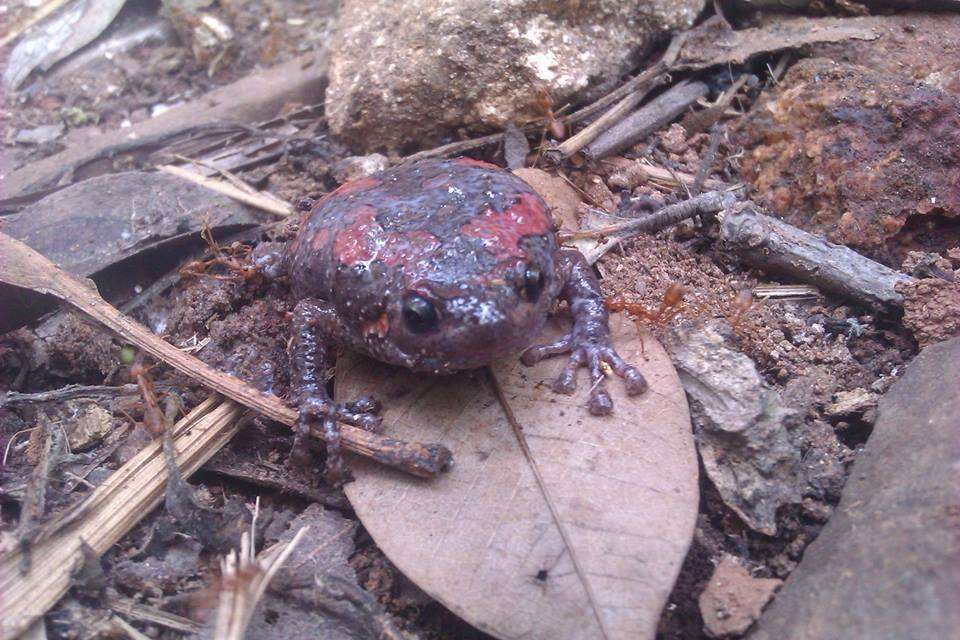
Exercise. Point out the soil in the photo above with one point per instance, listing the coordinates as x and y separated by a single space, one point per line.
808 349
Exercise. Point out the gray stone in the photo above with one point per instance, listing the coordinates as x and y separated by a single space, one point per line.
39 135
415 71
740 425
887 565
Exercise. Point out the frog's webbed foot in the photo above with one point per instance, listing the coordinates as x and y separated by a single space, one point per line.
319 413
592 353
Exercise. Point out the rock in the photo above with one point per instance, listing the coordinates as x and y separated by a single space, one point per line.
414 72
355 167
824 461
887 565
836 151
849 403
39 135
734 599
740 425
920 47
931 309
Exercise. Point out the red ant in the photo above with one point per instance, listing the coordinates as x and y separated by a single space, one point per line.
234 258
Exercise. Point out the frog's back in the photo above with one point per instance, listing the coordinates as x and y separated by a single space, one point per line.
434 219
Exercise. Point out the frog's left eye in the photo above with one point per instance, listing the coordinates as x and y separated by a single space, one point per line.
419 314
533 282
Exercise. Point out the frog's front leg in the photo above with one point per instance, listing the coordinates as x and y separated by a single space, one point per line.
312 357
588 341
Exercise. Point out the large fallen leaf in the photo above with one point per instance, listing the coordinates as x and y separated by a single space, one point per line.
123 230
60 36
580 537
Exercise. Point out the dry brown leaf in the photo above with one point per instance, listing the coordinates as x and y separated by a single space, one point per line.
483 539
715 43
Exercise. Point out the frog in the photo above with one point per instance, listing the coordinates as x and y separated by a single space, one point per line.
436 266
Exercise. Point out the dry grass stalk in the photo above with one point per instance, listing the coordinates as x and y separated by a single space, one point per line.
271 204
106 515
245 579
136 611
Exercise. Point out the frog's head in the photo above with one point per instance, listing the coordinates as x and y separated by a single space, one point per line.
476 312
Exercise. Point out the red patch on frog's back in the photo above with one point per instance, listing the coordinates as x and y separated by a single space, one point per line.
501 232
365 240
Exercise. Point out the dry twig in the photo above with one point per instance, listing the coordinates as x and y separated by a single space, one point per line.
22 266
710 202
651 117
266 203
69 392
772 244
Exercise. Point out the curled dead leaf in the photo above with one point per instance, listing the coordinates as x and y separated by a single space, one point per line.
581 538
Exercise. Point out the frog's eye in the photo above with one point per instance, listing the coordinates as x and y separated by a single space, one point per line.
419 314
533 281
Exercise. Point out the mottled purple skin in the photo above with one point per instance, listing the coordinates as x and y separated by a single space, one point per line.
466 238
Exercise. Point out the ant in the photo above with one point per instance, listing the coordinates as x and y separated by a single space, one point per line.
234 258
670 307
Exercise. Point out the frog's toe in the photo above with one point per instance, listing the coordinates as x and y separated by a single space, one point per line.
362 412
596 358
632 378
540 352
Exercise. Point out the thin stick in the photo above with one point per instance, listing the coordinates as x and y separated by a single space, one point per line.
706 163
586 135
259 201
638 125
710 202
774 245
461 146
22 266
660 176
141 612
69 392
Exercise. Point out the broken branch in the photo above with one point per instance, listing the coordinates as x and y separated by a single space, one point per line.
772 244
657 113
710 202
23 267
69 392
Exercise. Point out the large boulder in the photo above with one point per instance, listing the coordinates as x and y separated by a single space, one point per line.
409 73
887 565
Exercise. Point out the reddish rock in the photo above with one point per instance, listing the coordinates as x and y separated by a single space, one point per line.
931 309
734 599
866 158
919 47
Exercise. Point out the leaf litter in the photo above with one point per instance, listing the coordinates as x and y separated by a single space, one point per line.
551 523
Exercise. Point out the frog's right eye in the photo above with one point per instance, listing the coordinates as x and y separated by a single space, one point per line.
419 314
